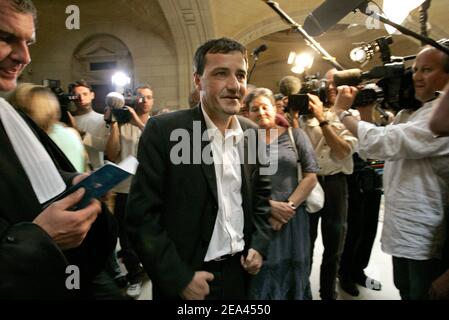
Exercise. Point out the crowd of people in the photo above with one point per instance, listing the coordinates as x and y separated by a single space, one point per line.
204 217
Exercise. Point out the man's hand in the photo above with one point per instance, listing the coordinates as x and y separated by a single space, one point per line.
345 98
107 115
253 262
71 122
275 223
316 106
135 120
198 288
439 289
281 211
68 228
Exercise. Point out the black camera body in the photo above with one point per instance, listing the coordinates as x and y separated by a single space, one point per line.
119 106
393 89
121 115
65 99
299 103
390 84
315 86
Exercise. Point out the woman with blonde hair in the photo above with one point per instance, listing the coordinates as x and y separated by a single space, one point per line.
42 106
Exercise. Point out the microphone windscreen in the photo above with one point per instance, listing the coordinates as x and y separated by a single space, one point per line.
289 85
263 47
115 100
328 14
350 77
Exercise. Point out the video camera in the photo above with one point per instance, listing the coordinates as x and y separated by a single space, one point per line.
65 99
394 88
300 102
119 105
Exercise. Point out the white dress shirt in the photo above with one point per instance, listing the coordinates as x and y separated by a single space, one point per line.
415 193
227 237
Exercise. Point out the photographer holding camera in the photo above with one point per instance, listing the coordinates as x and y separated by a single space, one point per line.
334 146
122 142
90 124
415 195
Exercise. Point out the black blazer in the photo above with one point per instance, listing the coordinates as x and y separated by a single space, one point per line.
31 265
172 209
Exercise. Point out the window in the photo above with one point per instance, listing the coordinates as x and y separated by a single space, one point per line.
98 66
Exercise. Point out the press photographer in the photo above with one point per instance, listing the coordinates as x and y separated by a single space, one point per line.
126 126
89 123
413 231
333 145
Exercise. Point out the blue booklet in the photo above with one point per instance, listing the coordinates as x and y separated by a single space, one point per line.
100 181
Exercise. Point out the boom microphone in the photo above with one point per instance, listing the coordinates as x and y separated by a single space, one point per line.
328 14
351 77
259 49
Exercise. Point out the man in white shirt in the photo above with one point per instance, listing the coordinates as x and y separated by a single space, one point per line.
123 142
90 124
333 145
415 193
200 225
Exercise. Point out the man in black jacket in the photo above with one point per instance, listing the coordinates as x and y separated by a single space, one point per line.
38 245
198 208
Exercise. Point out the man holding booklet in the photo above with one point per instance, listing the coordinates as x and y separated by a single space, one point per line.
40 248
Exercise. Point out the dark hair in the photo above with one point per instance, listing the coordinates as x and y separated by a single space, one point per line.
194 98
142 86
278 96
222 45
23 6
81 83
258 92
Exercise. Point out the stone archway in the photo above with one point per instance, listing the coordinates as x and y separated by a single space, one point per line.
96 59
191 24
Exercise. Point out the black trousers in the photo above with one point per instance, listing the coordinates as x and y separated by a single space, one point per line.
413 278
130 259
230 279
363 217
333 230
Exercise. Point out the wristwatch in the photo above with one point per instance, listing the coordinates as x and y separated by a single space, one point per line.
291 204
344 114
323 123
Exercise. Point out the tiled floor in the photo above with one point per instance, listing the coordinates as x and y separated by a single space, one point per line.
379 268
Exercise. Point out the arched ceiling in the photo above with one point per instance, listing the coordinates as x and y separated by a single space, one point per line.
184 24
143 14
